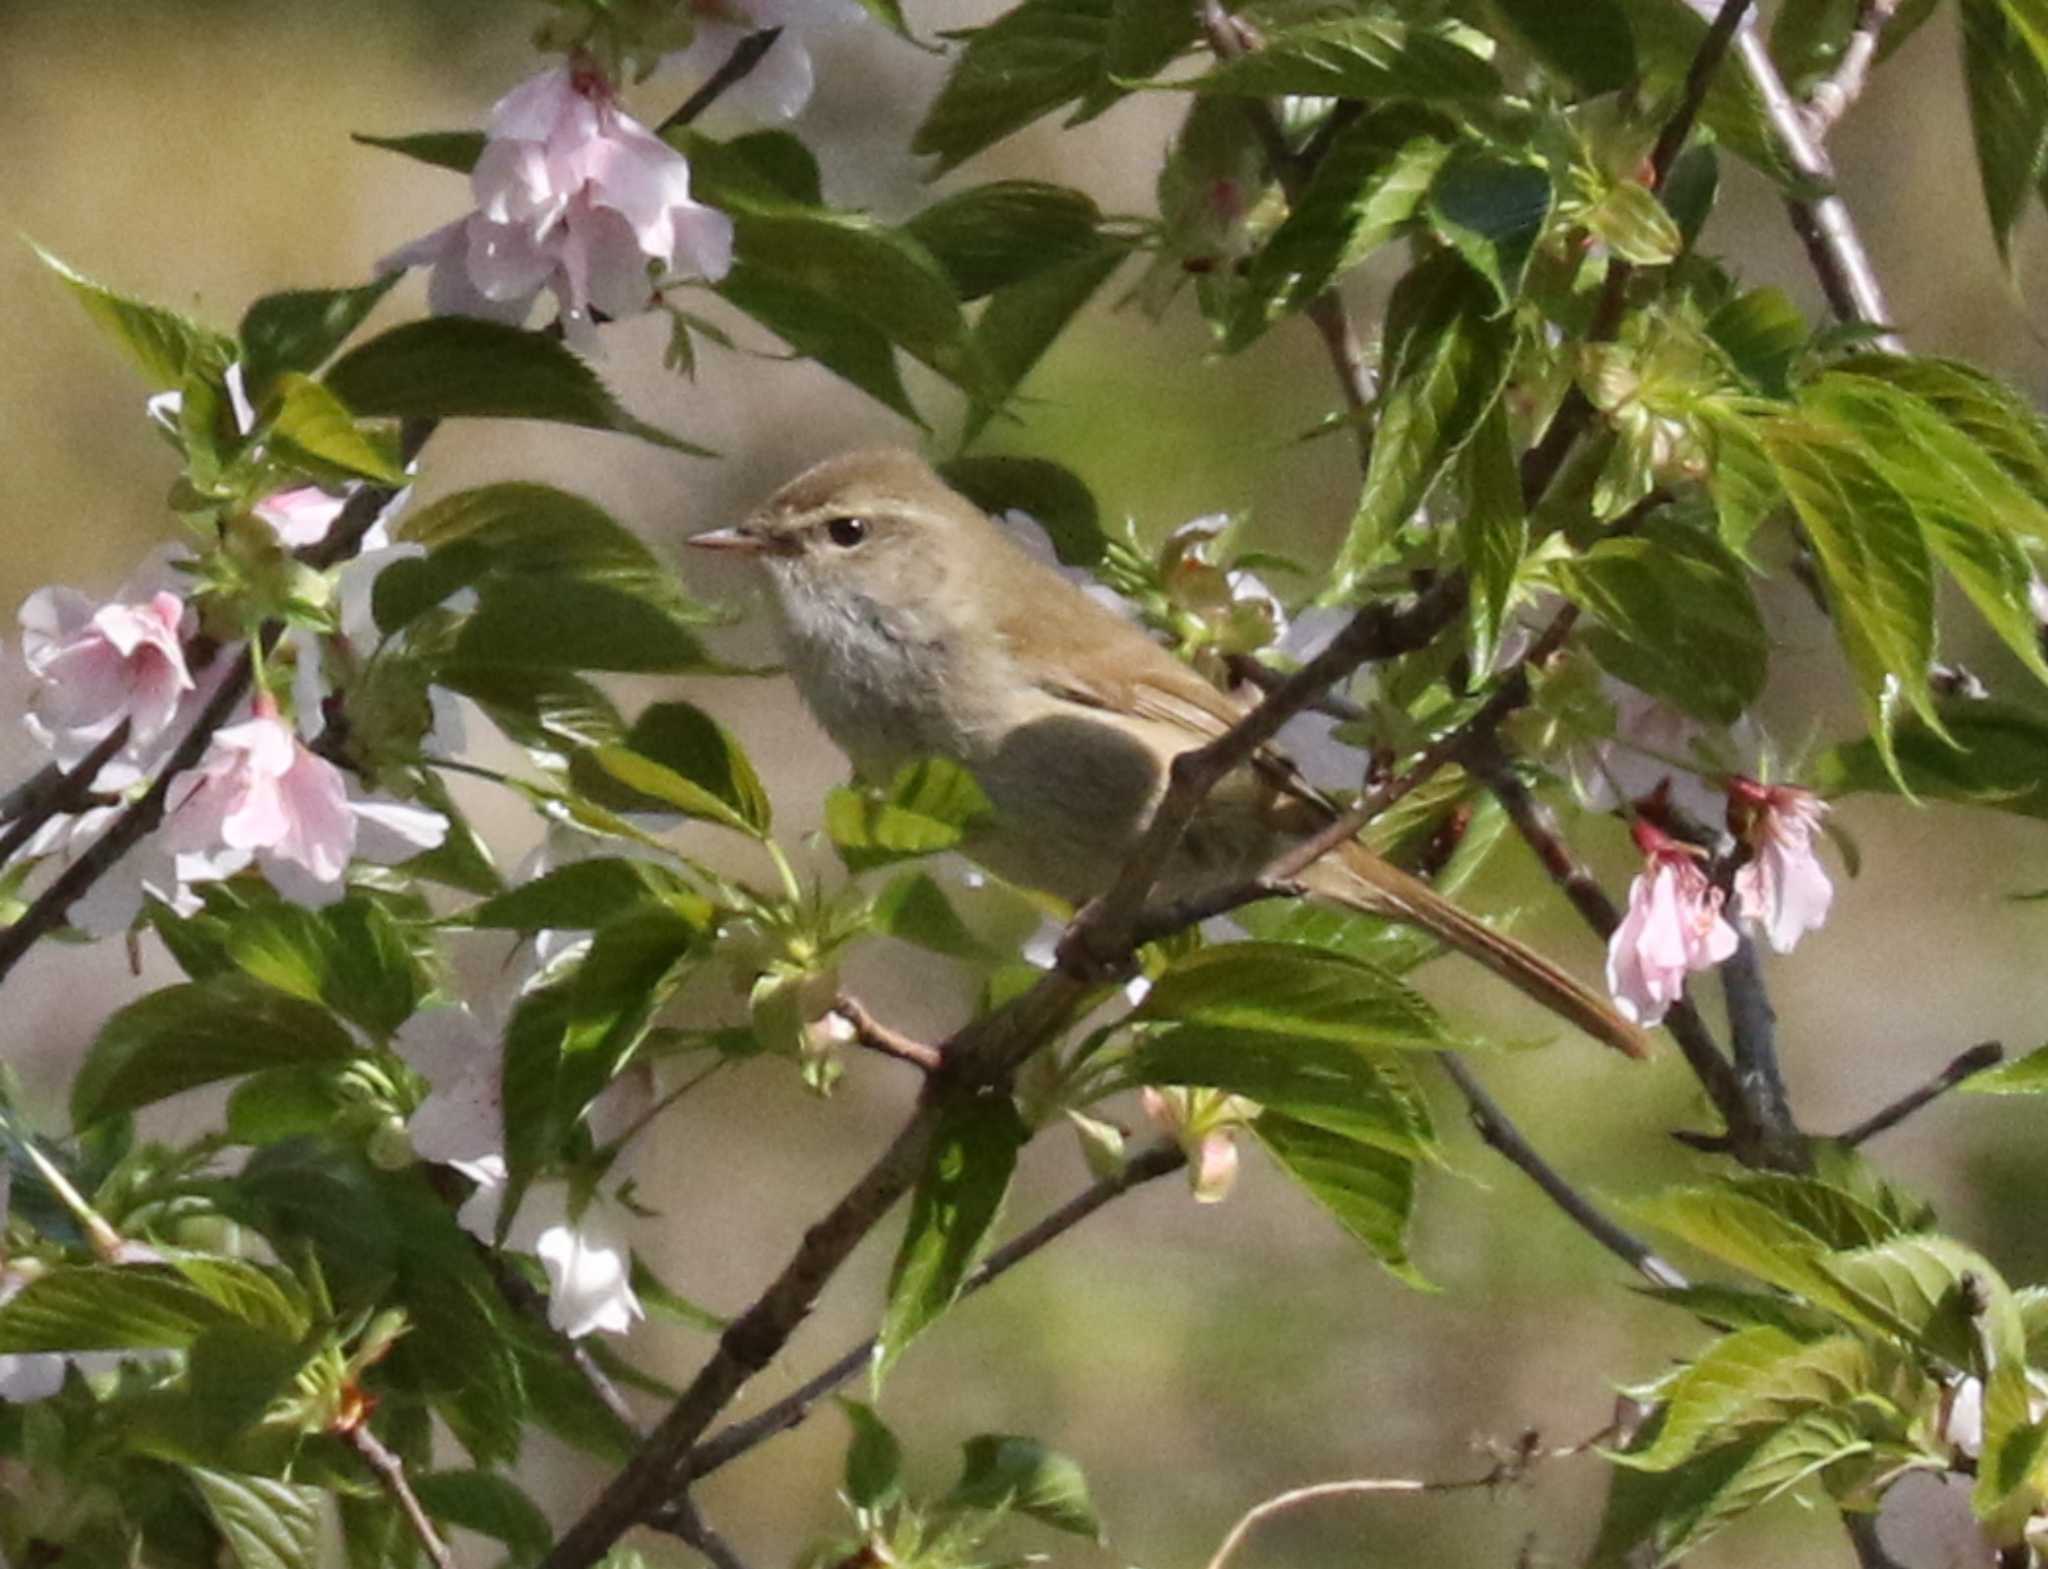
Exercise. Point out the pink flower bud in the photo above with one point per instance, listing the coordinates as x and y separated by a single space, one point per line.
1673 926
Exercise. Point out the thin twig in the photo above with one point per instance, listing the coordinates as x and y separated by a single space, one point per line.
390 1473
872 1033
54 791
1985 1054
1830 97
688 1524
1833 246
1500 1134
729 1443
738 65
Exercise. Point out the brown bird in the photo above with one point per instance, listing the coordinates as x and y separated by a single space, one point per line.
915 628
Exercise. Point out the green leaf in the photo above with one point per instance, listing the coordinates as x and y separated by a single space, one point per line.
1341 1089
1636 226
1588 40
1364 190
823 329
267 1524
488 1504
456 150
233 1375
989 237
1144 35
1370 57
682 757
966 1174
351 957
539 623
1492 211
1993 417
778 158
2026 1075
874 1460
1868 542
665 1303
456 367
1020 323
928 807
198 1033
100 1307
1493 536
1753 1375
168 347
1369 1191
1444 368
2008 98
915 909
579 897
288 1103
1295 993
1003 1473
1054 496
1677 618
299 329
1763 334
547 711
314 431
1028 62
1989 755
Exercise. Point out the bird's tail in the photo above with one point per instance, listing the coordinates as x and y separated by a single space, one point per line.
1355 876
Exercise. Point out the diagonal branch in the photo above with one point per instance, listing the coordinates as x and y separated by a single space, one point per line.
390 1473
1985 1054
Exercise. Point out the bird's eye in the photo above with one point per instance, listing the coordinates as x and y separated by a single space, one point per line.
846 532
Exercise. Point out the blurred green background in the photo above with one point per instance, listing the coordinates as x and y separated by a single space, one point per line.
1194 1359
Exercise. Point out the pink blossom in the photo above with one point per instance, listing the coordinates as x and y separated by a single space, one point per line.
1783 889
301 516
99 665
260 792
574 195
1674 926
1204 1123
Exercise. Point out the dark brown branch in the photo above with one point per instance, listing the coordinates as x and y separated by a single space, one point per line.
1985 1054
390 1473
1500 1133
739 65
872 1033
683 1521
54 791
729 1443
1753 1038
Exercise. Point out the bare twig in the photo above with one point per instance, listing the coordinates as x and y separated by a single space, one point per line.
1500 1134
1830 97
54 791
872 1033
390 1473
1833 246
730 1442
739 65
687 1523
1985 1054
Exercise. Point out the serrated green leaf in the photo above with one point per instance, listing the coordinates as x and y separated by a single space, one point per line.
299 329
312 429
267 1524
2008 96
929 806
1677 618
1636 226
1493 537
1144 35
1763 334
1492 211
1375 56
1295 993
820 328
1028 62
989 237
1751 1376
579 897
1004 1473
874 1460
457 367
1990 755
351 957
1369 1191
549 711
915 909
168 347
540 623
1993 417
1443 370
456 150
198 1033
966 1175
718 781
1054 496
100 1307
1588 40
1020 323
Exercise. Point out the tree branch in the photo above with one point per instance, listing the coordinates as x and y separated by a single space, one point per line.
1985 1054
390 1473
1831 97
687 1524
1753 1036
739 65
872 1033
53 791
1500 1134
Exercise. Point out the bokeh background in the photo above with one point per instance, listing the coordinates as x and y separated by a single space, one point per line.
1194 1359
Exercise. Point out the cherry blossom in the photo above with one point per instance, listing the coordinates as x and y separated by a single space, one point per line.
1674 926
97 666
1204 1123
1783 889
583 1247
302 515
572 195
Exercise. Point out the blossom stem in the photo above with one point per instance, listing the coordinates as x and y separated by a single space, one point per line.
390 1473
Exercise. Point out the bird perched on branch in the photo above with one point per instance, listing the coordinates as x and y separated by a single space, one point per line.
915 628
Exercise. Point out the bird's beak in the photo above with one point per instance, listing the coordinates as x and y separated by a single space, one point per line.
733 539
